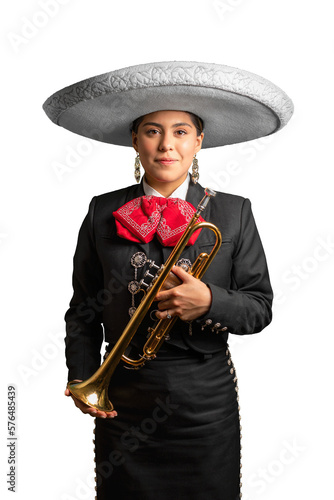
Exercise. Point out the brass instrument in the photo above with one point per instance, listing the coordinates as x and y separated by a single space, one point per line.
94 390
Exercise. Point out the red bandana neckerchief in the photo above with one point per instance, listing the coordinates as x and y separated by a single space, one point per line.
140 219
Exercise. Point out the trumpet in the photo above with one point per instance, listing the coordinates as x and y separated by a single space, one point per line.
94 390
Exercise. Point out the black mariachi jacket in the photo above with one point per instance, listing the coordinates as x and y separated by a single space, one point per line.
238 279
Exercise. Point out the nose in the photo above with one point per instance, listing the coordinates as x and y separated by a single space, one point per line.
166 142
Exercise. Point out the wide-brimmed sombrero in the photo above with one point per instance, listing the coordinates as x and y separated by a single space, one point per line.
235 105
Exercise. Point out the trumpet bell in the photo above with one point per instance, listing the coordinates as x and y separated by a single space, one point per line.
93 394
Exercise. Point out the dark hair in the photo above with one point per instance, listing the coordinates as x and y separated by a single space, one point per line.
197 121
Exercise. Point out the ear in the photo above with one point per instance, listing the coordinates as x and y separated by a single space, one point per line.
199 142
135 141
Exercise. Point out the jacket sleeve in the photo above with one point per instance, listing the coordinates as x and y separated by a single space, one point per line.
84 333
245 308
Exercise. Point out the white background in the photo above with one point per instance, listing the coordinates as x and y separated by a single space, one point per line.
285 377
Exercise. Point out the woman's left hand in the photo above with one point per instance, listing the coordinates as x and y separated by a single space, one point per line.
189 301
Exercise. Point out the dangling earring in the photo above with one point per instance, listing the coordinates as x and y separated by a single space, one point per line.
137 168
194 173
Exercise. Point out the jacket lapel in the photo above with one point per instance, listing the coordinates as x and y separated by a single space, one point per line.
135 191
195 194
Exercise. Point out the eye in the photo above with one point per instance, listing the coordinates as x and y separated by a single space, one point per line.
180 132
152 131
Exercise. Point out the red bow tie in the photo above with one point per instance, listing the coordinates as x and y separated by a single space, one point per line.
140 219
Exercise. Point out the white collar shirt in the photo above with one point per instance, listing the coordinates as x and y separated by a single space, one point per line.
180 192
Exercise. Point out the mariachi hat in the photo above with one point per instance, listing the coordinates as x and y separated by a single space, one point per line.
235 105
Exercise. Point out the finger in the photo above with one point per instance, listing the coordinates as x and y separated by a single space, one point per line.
166 314
181 273
167 296
67 391
164 295
94 412
102 414
165 304
160 314
110 414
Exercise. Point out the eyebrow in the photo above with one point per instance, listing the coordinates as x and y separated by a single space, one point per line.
181 124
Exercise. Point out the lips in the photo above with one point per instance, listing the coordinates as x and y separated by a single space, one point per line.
166 161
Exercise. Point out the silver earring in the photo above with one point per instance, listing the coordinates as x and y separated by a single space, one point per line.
137 168
194 173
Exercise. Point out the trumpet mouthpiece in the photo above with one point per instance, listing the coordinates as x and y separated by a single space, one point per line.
210 192
203 203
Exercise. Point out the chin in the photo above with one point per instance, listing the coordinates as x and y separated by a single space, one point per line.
169 180
165 177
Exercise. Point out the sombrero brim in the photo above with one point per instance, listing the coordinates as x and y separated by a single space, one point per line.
235 105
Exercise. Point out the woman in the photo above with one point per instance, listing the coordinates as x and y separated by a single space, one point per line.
175 431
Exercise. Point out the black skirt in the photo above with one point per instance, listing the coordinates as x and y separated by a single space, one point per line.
177 434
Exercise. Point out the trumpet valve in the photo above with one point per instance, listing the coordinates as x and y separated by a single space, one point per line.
147 273
153 264
161 268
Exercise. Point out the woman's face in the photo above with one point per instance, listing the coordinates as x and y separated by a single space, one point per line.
166 142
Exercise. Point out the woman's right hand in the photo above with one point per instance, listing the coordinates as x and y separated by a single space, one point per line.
88 409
